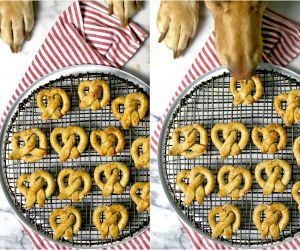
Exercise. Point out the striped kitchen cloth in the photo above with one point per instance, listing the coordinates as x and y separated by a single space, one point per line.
83 34
281 38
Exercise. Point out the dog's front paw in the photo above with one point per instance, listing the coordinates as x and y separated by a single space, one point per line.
177 21
17 20
124 9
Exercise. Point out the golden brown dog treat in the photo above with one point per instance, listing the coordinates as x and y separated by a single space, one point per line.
229 221
114 183
243 95
274 181
274 138
37 192
70 222
296 150
79 184
30 152
93 98
135 108
196 189
57 103
142 160
291 114
295 193
276 219
112 141
70 149
142 201
236 176
115 220
230 146
189 148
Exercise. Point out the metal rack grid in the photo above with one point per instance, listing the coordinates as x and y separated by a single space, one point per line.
28 116
209 103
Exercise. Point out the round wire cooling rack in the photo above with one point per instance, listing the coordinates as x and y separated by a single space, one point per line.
25 114
208 101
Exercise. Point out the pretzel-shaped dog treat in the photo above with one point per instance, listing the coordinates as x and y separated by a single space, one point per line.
70 222
236 175
189 148
143 201
292 112
57 104
273 171
243 96
116 219
76 180
195 190
271 134
296 150
69 150
230 146
276 219
30 152
295 194
95 89
143 160
229 223
111 172
109 137
36 193
135 108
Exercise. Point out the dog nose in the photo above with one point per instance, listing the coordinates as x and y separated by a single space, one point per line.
241 73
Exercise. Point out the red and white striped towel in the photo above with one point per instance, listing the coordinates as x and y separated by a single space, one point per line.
83 34
281 45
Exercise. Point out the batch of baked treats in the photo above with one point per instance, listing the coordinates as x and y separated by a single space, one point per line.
111 178
235 181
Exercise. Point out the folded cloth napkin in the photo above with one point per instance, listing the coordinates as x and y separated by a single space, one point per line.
281 38
83 34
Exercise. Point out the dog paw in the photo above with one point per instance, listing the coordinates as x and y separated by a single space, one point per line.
17 20
177 21
124 9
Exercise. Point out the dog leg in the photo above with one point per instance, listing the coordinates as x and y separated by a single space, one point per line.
124 9
17 20
177 21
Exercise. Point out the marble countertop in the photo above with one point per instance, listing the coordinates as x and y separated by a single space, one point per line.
13 67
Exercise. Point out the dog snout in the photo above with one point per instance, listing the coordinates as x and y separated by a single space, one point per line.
241 73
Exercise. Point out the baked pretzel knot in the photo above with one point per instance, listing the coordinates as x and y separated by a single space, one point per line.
295 193
92 99
229 221
79 184
57 103
142 201
196 189
70 222
37 192
112 141
70 149
276 219
244 94
296 150
114 184
135 108
236 176
230 146
34 148
115 220
274 138
274 169
189 148
141 160
291 113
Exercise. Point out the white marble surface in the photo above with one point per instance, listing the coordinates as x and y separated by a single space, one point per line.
13 67
166 75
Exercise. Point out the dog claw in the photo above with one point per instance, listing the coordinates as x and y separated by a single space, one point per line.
27 35
138 6
162 36
16 48
124 22
110 9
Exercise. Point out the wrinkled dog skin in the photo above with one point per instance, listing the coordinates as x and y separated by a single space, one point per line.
17 20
